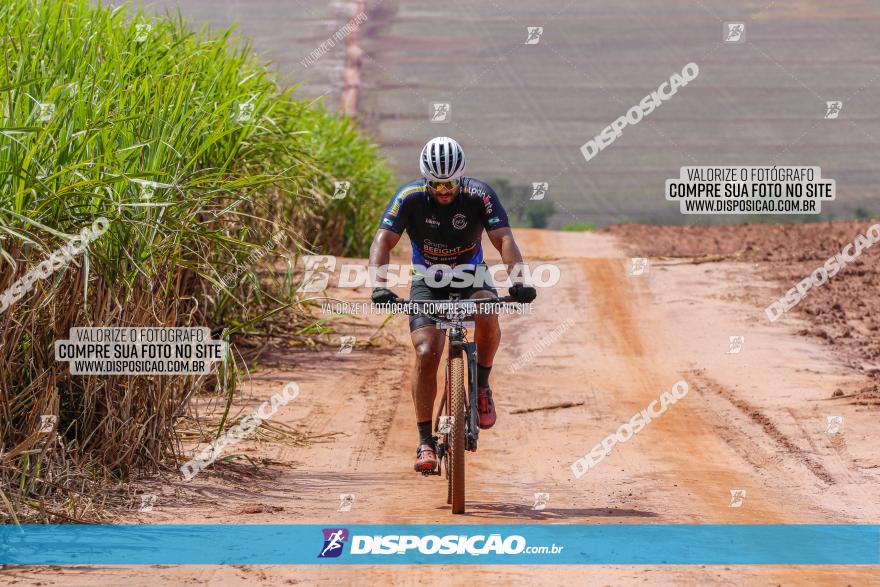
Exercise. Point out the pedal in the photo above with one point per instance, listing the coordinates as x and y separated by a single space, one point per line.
432 471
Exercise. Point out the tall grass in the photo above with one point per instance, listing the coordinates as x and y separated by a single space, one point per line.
196 157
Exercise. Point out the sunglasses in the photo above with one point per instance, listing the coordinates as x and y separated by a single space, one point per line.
443 187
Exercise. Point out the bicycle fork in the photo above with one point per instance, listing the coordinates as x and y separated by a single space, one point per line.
472 429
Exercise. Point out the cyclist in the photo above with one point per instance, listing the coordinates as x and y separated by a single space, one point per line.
444 215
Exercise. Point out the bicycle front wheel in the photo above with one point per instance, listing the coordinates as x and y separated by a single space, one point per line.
457 399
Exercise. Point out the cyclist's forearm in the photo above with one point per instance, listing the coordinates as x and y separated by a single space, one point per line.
380 255
512 258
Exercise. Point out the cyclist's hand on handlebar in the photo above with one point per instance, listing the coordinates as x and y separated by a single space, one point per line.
383 295
522 293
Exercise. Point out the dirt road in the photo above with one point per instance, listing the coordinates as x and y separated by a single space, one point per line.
754 420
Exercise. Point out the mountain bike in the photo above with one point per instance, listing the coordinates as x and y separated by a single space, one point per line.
455 424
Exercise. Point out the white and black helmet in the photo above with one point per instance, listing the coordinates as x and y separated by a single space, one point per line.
442 159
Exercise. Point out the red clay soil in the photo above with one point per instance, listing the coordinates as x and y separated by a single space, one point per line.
845 311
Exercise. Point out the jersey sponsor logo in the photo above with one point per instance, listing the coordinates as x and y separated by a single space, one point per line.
432 221
487 203
443 250
472 189
494 220
395 208
387 221
459 221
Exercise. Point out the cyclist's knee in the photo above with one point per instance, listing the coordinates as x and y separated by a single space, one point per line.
428 351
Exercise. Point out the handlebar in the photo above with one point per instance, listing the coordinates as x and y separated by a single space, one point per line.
477 301
465 306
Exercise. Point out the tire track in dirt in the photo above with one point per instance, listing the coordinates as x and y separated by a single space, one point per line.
682 442
689 442
381 406
770 429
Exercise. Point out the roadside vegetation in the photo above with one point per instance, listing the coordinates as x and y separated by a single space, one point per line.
579 227
197 159
519 205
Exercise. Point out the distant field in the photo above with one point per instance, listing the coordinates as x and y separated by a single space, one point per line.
282 31
523 111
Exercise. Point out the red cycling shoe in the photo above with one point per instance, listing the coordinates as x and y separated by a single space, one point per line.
485 408
426 459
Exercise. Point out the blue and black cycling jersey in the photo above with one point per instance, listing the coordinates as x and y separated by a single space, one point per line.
451 234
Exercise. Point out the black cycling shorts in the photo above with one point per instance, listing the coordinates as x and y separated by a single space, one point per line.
420 291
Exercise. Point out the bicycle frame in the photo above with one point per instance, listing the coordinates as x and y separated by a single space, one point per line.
456 324
458 343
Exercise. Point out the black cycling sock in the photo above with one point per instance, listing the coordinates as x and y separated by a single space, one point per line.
425 436
483 375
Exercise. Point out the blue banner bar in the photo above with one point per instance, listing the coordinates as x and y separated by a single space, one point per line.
624 544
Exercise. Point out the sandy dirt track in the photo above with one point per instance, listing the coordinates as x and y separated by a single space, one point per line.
754 420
